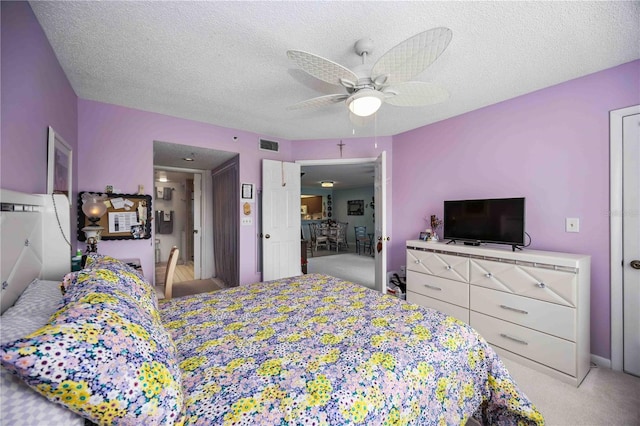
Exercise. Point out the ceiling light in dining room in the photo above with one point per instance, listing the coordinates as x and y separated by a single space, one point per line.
327 184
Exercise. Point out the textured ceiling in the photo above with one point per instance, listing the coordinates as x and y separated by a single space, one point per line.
225 63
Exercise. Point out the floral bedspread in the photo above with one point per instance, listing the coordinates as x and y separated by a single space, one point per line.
317 350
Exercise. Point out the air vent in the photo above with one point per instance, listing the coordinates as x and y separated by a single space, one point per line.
266 145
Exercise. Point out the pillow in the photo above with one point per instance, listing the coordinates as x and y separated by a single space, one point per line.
103 357
18 403
113 276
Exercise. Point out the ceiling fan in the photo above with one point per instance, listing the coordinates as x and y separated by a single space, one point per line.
387 81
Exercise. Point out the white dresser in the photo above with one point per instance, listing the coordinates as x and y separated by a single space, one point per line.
529 305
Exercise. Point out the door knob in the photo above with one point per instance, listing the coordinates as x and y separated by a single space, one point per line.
267 236
635 264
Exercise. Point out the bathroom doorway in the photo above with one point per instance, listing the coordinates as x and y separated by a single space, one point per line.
176 221
188 189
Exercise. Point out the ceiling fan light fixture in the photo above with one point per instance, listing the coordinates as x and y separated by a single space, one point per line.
327 184
365 102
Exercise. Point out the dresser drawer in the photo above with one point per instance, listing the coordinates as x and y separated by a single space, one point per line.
447 308
538 283
551 351
441 265
547 317
439 288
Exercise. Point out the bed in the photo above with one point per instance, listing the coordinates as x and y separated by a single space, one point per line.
311 349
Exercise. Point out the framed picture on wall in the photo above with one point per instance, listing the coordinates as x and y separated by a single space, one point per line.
247 191
59 165
355 207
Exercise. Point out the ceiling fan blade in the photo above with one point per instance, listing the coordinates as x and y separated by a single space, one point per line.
318 102
415 93
322 68
412 56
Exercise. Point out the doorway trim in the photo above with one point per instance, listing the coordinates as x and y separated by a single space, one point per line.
615 222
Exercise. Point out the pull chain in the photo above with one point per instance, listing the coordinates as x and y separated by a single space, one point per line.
375 130
282 173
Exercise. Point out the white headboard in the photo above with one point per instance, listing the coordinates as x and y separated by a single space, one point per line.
32 244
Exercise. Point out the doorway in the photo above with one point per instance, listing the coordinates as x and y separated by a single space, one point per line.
175 222
353 182
625 239
188 172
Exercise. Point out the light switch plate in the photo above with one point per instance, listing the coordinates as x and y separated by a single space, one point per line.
572 224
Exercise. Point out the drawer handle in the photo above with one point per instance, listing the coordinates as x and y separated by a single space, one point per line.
448 267
418 261
541 285
489 275
514 309
432 287
506 336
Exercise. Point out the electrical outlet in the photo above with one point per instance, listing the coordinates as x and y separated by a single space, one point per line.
572 224
246 221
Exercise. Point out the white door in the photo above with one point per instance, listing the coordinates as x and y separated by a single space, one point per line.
631 242
197 227
381 238
280 220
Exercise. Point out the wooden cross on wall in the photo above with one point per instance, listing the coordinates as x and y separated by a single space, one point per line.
341 144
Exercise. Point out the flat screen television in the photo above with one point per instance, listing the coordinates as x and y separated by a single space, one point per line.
496 220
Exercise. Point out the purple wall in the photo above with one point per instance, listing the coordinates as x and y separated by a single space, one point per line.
550 146
116 148
35 94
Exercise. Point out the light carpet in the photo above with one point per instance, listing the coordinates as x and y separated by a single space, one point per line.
605 397
359 269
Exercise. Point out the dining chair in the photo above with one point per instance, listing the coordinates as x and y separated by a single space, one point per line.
167 291
308 240
338 235
317 238
344 227
363 240
341 235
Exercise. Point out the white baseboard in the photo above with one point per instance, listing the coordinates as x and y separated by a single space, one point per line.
600 362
